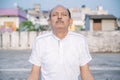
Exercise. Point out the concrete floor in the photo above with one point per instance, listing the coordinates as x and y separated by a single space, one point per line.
14 65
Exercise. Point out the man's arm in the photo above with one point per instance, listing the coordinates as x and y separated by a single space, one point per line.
35 72
85 73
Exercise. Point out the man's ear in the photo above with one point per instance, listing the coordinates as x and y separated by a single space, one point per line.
71 22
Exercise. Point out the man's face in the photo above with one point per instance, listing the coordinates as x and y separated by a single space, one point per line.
60 20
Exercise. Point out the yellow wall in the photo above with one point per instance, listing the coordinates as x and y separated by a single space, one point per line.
72 28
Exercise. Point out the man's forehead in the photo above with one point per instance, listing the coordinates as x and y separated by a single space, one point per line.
59 7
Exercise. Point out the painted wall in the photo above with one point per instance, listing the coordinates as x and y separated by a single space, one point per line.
108 25
15 20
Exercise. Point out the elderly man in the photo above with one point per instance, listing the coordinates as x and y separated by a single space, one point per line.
60 54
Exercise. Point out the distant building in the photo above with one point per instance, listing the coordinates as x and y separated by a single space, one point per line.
78 18
79 14
11 18
36 15
99 11
39 17
100 23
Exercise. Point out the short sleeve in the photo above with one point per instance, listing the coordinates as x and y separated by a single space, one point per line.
85 56
35 55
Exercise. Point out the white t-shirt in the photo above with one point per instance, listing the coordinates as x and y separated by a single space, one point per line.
60 59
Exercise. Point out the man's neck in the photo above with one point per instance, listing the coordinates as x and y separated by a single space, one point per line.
60 35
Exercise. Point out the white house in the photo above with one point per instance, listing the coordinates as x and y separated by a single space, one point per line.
11 18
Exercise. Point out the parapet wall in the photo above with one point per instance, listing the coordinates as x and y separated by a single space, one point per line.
98 41
103 41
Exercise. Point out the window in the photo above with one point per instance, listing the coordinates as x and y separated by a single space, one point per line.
97 20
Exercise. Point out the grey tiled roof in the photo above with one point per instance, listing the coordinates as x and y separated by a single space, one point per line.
101 16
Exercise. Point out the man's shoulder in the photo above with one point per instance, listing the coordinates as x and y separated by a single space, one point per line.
44 35
78 35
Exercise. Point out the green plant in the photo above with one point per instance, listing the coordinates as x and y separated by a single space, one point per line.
26 26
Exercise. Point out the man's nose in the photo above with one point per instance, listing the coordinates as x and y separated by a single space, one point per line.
59 16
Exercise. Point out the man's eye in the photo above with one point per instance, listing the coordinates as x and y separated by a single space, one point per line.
64 14
54 15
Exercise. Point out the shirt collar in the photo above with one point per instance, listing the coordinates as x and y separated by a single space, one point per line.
55 37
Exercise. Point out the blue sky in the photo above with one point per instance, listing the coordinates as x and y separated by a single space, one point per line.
113 6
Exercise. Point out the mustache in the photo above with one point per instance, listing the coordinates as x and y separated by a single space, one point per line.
59 21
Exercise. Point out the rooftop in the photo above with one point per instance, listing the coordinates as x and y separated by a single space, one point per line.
12 12
101 16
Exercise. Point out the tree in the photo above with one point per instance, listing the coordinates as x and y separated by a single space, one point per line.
26 26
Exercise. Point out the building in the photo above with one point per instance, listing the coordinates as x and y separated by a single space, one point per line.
39 17
36 16
11 18
79 14
100 23
78 19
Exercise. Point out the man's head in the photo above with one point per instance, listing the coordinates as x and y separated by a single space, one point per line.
60 5
60 19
